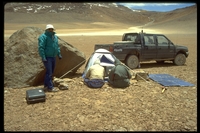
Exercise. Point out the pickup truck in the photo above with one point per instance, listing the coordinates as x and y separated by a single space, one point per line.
137 47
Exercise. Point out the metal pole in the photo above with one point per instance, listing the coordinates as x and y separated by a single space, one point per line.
72 69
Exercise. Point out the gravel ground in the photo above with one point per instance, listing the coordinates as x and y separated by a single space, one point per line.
140 107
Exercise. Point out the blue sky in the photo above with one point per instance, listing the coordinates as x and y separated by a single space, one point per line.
161 7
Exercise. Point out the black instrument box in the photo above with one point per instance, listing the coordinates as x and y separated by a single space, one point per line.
35 96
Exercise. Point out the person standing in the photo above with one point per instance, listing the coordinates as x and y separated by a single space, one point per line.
94 77
48 48
119 75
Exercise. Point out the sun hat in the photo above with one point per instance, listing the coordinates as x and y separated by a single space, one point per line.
48 26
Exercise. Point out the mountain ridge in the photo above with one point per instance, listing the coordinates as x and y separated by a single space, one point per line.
87 15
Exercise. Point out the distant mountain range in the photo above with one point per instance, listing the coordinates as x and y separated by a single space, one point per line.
59 7
93 12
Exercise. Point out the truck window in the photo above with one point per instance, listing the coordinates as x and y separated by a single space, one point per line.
162 41
131 37
149 40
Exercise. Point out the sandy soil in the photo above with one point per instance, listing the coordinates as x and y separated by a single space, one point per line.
140 107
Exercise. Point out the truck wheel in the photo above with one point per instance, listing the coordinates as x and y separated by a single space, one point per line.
132 61
180 59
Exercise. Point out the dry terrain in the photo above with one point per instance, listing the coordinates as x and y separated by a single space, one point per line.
140 107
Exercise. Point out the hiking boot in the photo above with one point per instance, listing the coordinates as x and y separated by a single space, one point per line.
52 90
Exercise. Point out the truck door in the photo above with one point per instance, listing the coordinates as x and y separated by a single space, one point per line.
150 50
165 47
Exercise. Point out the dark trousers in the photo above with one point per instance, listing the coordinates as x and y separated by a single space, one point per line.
50 66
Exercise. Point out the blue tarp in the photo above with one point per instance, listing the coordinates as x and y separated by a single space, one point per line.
168 80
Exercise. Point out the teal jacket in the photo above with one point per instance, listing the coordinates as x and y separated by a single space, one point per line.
48 45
